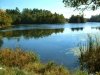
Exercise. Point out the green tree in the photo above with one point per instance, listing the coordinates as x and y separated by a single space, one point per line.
15 15
94 4
34 16
5 19
77 19
40 17
95 18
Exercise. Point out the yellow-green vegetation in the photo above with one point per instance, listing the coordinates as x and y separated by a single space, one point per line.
5 19
19 62
79 72
16 58
90 55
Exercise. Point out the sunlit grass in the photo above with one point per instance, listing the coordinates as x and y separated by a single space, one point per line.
16 58
19 62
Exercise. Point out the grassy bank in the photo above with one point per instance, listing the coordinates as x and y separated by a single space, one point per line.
19 62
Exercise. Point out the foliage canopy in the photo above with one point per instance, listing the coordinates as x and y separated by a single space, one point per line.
95 18
93 4
34 16
77 19
5 19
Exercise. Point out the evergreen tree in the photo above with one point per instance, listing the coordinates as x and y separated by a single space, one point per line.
77 19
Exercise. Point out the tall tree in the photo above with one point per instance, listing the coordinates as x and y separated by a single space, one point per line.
34 16
77 19
93 4
95 18
15 15
5 19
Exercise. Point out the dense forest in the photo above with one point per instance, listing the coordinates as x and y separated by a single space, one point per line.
38 16
29 16
95 18
77 19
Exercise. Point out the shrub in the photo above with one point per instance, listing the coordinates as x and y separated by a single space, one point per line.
79 72
46 69
11 71
18 62
90 55
34 67
16 58
52 69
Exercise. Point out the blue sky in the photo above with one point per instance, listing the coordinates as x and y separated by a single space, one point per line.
52 5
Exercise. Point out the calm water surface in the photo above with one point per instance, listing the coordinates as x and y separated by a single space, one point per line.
58 43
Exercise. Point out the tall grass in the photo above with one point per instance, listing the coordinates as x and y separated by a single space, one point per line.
19 62
16 58
90 55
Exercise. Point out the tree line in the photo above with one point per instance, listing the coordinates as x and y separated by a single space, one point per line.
38 16
77 19
95 18
29 16
81 19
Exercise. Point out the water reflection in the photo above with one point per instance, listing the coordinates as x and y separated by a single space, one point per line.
77 29
36 33
85 29
1 42
97 28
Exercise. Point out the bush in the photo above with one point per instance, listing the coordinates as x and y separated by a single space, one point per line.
18 62
90 55
46 69
79 72
34 67
52 69
16 58
11 71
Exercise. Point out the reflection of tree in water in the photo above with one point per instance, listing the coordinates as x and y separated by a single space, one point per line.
77 29
98 28
1 42
36 33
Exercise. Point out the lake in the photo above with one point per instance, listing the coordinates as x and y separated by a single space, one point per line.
52 42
